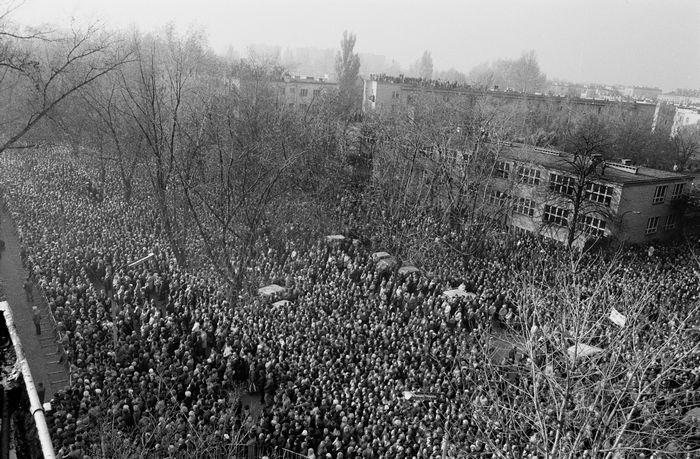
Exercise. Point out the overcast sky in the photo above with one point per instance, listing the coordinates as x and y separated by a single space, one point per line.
642 42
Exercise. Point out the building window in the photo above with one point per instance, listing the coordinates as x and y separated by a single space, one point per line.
599 193
303 92
671 221
317 92
562 184
395 95
292 90
496 198
652 225
529 175
282 90
502 169
556 215
659 194
594 227
525 206
677 190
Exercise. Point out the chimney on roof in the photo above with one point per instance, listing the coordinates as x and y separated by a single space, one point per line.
626 162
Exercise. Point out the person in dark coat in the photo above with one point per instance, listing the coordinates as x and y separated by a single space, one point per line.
36 318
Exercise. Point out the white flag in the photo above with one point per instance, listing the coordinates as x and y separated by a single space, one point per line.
617 318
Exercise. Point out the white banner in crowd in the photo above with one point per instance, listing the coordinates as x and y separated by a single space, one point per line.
142 260
617 318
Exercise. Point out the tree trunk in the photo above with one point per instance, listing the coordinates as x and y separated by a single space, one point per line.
128 190
166 217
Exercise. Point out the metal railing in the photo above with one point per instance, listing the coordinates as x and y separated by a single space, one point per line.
35 406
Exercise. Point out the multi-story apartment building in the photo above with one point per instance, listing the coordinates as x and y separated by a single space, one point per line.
383 93
300 92
631 203
685 116
642 93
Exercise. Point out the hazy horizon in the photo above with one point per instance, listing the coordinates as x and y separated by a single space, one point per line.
643 42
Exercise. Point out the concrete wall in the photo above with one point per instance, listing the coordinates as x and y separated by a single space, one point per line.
639 198
293 90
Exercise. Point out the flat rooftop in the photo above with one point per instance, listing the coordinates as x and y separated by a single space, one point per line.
614 172
418 84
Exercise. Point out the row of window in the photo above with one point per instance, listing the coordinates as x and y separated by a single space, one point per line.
528 175
556 215
524 206
566 185
592 226
496 198
562 184
521 205
670 222
303 92
660 193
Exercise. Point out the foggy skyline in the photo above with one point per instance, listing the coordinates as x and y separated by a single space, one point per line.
649 43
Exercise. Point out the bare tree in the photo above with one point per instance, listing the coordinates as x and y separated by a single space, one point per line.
160 94
578 192
577 383
437 159
256 161
40 70
347 67
685 145
120 140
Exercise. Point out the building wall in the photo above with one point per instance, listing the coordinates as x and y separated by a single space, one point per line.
543 196
292 92
626 217
679 100
369 91
684 117
643 93
385 99
639 198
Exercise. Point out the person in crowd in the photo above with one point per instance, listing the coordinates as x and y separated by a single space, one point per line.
36 318
28 290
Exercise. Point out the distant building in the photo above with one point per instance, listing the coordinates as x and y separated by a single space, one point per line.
685 116
642 93
601 92
565 90
677 99
387 94
671 118
300 92
631 203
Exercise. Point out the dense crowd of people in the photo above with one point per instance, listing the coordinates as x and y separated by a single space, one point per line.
418 81
359 360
